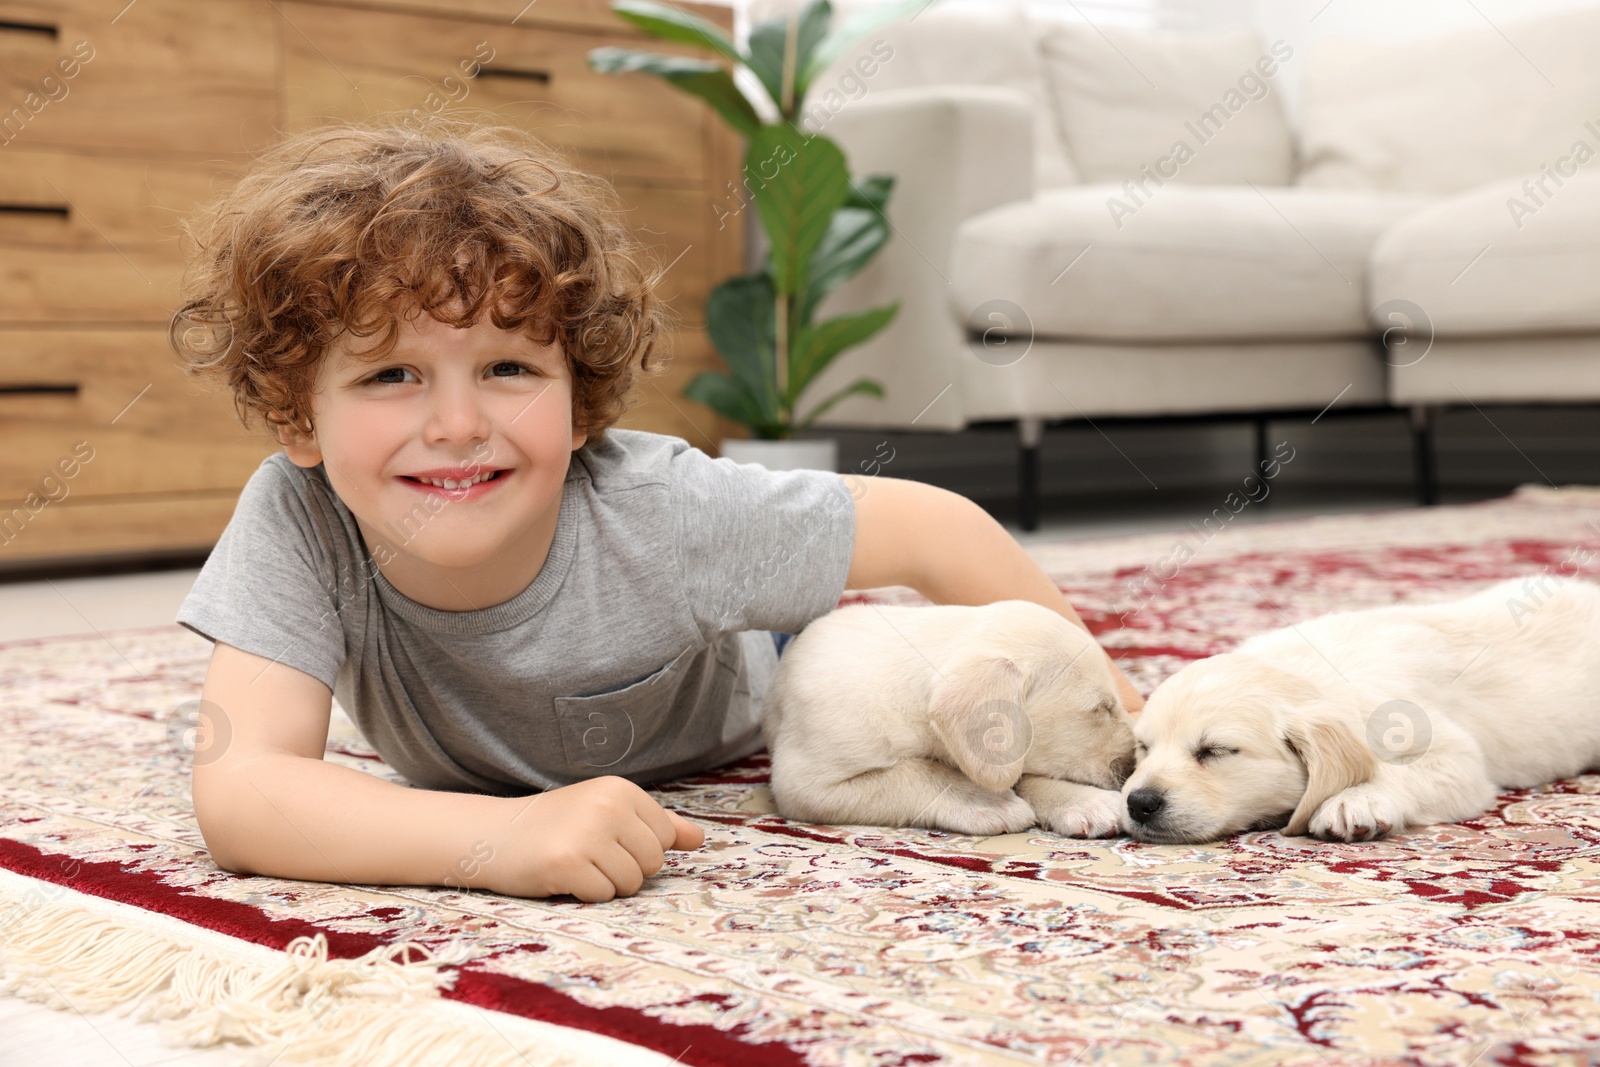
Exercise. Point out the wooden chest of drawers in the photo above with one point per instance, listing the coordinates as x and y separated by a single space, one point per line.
118 119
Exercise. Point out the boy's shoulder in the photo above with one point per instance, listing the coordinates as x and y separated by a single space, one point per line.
280 494
650 475
282 477
628 459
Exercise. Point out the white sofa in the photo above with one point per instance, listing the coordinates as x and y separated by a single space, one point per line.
1257 275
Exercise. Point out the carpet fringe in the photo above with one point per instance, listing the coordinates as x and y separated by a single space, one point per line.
308 1010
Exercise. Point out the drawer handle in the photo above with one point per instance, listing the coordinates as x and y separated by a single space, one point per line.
542 76
61 390
58 211
42 28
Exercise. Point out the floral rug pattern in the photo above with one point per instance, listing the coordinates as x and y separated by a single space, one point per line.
788 943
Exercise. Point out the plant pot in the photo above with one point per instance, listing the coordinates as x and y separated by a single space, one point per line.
821 454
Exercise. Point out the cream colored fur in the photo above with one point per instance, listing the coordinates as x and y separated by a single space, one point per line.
1317 727
981 720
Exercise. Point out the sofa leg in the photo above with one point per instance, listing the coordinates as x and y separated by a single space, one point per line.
1261 450
1423 419
1030 433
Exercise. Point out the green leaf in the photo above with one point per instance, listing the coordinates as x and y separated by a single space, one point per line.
798 181
855 234
742 321
709 81
864 385
849 32
729 399
767 40
816 346
853 238
871 192
675 24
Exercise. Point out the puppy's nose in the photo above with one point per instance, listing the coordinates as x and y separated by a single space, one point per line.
1145 804
1122 767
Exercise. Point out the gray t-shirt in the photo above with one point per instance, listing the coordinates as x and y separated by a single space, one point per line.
638 650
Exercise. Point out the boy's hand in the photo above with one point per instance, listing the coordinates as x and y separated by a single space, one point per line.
595 839
268 803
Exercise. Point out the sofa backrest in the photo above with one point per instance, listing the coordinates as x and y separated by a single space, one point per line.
948 44
1452 112
1432 116
1158 107
1107 100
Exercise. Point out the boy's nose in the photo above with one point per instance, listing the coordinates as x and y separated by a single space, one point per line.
457 415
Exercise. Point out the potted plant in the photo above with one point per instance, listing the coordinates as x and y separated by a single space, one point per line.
821 227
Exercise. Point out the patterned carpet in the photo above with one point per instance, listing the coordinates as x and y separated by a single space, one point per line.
782 943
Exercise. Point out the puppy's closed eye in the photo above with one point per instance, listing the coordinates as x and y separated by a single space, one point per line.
1211 752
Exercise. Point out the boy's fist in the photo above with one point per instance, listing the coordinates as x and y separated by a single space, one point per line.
595 840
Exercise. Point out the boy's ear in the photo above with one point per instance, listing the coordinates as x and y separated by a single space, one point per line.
299 445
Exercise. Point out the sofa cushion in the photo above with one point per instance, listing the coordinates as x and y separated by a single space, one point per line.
1452 112
1195 262
988 44
1193 108
1077 379
1500 370
1503 258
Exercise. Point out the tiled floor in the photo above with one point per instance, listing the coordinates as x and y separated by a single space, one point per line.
89 605
1121 517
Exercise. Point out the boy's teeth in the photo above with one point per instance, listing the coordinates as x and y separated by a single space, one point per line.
452 483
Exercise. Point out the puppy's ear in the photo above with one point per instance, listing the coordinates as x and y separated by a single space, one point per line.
1335 759
976 710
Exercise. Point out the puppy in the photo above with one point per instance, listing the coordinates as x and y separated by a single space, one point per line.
928 716
1359 723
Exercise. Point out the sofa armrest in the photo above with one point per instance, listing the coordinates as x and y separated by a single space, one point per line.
954 151
967 147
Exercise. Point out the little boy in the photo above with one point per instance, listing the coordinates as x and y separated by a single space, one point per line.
528 613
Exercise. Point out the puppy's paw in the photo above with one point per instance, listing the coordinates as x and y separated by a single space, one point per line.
1007 813
1357 814
1099 817
1073 809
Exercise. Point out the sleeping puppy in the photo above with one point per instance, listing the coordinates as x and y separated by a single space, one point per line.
928 716
1359 723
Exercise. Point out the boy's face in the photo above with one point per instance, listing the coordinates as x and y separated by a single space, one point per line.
457 403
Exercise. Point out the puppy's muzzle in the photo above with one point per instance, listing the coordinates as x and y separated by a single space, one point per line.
1145 805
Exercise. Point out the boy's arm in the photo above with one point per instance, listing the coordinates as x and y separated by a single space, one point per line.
268 803
951 551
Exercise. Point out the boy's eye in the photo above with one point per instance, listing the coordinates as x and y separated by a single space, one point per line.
514 368
381 380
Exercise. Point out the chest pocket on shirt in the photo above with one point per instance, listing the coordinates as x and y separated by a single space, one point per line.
672 715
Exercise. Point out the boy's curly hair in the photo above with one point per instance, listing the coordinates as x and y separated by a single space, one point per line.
347 229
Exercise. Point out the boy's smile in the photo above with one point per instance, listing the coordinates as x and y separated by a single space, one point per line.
451 452
456 485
